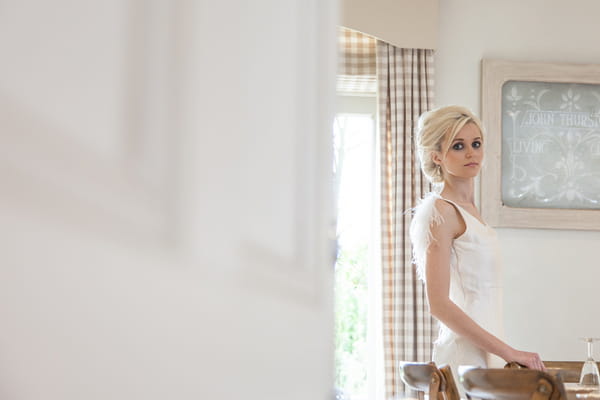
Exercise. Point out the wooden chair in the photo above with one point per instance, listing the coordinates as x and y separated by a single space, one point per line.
566 371
428 378
512 384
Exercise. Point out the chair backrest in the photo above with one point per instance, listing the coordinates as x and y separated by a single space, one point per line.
512 384
566 371
439 383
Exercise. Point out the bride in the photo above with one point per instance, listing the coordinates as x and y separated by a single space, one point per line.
455 251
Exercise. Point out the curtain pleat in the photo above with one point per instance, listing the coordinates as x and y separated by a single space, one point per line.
405 91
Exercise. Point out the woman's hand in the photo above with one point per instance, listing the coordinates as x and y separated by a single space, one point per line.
530 360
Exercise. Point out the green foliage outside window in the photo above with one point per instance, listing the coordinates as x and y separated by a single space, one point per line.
351 320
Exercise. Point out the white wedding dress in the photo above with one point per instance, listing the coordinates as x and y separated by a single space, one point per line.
475 283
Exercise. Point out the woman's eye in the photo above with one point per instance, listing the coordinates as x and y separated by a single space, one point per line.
476 144
458 146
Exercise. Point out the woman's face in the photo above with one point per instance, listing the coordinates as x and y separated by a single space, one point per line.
464 155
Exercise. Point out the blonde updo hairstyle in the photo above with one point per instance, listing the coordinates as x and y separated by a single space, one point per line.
432 130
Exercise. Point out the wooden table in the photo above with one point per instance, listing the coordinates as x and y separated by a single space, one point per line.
575 391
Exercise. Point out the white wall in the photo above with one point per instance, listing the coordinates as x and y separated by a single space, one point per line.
551 276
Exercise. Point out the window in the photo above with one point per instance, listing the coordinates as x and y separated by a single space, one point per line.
357 281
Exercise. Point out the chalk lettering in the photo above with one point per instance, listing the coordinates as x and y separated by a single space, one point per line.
528 146
538 118
582 120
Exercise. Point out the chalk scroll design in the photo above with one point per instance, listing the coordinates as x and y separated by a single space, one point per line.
551 145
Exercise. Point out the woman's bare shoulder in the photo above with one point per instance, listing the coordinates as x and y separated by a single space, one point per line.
445 208
451 216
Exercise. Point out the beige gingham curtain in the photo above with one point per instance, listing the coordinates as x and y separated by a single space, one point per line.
357 71
405 90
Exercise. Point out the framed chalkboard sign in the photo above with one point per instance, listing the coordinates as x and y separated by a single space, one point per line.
543 145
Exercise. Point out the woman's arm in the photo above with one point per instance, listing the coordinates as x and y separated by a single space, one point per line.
437 273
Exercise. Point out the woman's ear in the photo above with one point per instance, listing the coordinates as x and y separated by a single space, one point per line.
436 157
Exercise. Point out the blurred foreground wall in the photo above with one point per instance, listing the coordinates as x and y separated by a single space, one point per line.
164 202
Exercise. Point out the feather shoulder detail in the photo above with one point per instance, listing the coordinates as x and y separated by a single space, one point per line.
425 215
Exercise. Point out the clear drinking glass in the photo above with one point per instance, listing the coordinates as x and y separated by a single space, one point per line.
589 373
